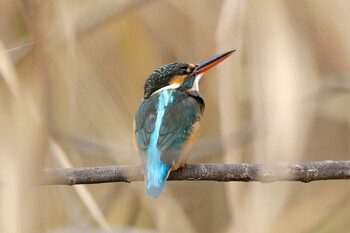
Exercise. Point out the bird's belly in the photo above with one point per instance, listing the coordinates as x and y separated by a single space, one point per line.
187 148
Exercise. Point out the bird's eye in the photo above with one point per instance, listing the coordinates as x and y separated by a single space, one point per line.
185 70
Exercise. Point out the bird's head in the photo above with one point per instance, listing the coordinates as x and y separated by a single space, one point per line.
180 75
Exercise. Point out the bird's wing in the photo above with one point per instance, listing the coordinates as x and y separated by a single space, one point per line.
144 122
176 125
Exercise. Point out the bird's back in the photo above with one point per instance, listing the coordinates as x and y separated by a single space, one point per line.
166 128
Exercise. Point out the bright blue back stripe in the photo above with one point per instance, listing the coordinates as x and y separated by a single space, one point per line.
156 170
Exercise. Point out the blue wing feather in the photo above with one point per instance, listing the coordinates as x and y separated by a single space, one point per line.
163 123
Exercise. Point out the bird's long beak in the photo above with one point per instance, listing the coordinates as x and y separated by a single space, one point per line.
209 63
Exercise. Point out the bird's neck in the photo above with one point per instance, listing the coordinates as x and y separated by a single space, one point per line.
195 94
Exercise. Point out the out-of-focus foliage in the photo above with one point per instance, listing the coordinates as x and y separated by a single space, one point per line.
71 79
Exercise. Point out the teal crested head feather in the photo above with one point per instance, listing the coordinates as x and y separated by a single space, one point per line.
166 75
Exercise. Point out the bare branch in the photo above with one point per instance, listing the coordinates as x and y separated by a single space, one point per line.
266 173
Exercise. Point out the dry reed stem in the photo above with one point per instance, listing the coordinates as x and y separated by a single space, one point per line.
82 191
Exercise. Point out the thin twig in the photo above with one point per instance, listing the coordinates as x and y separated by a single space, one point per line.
266 173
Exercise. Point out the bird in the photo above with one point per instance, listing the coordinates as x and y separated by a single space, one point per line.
168 120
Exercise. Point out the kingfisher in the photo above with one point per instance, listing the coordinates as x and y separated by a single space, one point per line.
167 123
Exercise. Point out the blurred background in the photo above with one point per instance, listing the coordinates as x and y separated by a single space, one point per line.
71 80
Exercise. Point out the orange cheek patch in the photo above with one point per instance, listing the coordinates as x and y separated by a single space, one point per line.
178 79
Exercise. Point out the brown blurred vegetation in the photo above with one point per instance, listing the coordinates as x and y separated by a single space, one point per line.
72 75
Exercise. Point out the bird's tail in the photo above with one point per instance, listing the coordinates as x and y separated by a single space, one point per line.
155 177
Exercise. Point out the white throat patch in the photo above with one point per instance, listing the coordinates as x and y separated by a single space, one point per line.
196 82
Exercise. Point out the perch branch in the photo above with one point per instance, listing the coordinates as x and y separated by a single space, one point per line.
266 173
